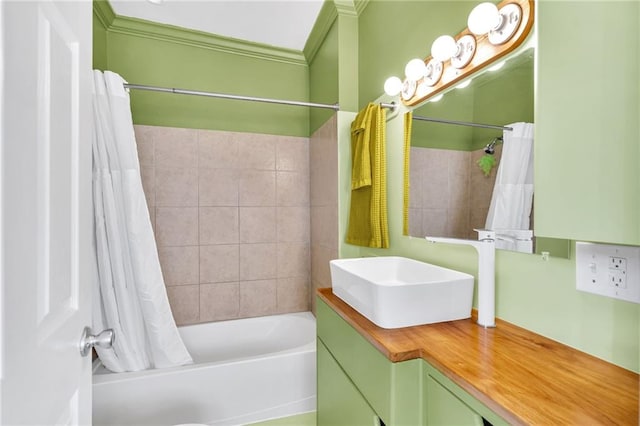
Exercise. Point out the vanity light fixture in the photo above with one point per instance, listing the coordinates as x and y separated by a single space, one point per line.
465 49
443 48
392 86
415 69
408 89
460 52
493 32
433 72
500 24
483 18
497 66
464 84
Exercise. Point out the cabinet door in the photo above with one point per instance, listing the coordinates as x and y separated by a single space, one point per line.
339 401
445 409
587 129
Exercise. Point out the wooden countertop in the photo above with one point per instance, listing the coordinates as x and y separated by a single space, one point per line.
522 376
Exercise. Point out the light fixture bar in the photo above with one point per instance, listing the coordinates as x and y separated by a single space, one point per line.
462 123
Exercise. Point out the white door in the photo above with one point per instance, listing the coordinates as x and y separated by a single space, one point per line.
45 196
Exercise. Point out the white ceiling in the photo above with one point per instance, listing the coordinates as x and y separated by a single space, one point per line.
281 23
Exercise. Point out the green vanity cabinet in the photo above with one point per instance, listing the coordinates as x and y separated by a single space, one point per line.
392 390
357 385
447 404
339 401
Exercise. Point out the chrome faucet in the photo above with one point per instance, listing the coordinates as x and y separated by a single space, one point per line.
486 248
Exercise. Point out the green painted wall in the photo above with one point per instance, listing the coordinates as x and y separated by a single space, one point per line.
532 293
323 78
99 44
393 32
160 55
155 62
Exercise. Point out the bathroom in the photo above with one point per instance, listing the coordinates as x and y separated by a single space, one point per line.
533 293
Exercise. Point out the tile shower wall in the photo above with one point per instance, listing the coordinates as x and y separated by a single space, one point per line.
449 195
324 203
232 220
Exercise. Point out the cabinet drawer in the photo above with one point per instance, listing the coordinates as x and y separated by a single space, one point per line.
339 401
367 368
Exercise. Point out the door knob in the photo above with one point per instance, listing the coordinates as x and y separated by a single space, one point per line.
104 339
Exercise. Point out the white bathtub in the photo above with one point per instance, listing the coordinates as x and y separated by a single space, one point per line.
244 371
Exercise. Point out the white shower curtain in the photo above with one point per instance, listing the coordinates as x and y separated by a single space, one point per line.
130 295
512 198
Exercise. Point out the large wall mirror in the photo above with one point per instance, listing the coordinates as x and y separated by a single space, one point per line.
453 167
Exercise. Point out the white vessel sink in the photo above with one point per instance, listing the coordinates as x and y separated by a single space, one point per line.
394 292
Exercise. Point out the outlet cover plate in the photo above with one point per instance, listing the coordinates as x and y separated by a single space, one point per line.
608 270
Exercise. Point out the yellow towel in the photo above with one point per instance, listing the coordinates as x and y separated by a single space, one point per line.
408 120
368 211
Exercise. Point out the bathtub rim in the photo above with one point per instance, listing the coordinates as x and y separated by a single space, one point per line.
108 377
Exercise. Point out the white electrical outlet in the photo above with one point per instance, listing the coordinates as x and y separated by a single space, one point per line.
608 270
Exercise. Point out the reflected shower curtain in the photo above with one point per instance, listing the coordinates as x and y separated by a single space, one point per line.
129 295
513 191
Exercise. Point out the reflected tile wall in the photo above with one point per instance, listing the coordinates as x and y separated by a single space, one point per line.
449 194
232 218
323 153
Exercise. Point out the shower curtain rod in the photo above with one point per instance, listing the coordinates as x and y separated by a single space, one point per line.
335 107
461 123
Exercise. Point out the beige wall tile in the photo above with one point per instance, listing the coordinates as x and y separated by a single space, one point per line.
144 144
323 164
147 174
477 220
180 265
218 149
293 294
257 224
257 152
219 301
320 271
175 147
415 223
293 260
152 219
324 226
176 187
257 188
258 298
177 226
435 189
435 222
257 261
218 187
292 153
294 224
185 303
219 225
292 189
219 263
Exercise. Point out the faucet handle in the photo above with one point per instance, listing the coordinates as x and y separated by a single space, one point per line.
485 234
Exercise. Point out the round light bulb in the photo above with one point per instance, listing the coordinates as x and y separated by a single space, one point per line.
497 66
436 98
415 69
443 48
464 84
483 18
392 86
